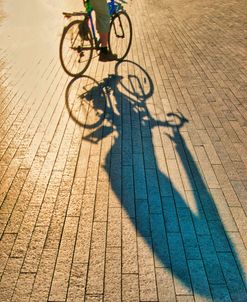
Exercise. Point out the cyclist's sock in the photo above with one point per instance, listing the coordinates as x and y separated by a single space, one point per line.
103 50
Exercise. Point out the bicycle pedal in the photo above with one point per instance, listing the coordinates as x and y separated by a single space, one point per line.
79 49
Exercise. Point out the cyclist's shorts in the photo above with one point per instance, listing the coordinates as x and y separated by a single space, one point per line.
102 15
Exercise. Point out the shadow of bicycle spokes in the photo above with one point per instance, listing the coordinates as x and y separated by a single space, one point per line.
157 180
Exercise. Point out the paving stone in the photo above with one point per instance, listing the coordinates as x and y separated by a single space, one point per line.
164 182
128 191
207 168
241 221
23 288
116 178
147 280
186 175
114 232
77 282
136 191
60 281
6 245
34 250
224 211
196 203
10 278
101 202
234 281
97 259
139 177
241 192
160 245
188 234
43 279
92 298
239 251
199 281
180 271
184 298
178 189
113 288
129 246
230 195
219 236
130 288
166 291
154 199
220 293
170 215
210 259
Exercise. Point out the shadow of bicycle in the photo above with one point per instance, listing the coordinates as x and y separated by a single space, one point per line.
182 226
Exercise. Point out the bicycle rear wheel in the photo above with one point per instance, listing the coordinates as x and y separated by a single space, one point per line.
76 49
120 36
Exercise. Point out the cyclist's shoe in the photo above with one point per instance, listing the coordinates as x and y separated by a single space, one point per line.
106 56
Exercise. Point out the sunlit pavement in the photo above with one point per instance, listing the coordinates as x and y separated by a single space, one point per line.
135 190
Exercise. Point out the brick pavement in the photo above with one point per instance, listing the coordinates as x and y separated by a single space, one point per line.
140 193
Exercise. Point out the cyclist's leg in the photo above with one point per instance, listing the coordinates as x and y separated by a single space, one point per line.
103 27
102 19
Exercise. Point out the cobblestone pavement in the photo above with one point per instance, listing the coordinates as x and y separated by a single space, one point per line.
137 190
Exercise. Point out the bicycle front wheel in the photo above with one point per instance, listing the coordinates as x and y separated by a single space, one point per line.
120 36
76 49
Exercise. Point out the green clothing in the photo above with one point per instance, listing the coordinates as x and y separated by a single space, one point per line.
102 15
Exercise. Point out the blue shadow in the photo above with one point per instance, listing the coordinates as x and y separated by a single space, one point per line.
193 245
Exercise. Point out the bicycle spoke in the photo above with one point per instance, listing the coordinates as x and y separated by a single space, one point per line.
75 51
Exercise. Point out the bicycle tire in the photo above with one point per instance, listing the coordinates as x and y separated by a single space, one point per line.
87 106
74 61
119 27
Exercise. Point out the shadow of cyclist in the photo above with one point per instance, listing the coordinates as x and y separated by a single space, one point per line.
187 234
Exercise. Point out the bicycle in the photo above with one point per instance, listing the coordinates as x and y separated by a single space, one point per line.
79 38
